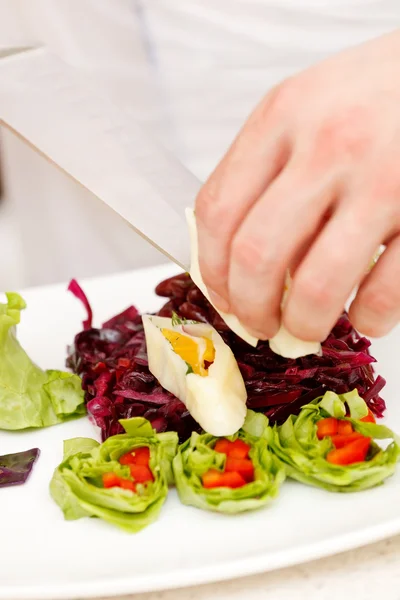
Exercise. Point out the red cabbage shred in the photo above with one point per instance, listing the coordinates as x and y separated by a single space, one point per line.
112 362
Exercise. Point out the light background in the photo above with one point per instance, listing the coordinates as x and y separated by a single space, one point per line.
188 70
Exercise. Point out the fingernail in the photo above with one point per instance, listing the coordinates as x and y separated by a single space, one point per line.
219 302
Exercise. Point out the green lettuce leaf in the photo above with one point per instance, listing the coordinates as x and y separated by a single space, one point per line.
296 444
196 456
77 487
30 397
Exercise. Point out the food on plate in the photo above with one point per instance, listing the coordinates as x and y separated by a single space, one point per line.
283 343
15 468
112 361
276 386
192 361
113 364
30 397
123 481
333 444
229 475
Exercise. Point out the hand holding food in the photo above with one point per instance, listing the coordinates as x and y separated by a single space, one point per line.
283 343
311 184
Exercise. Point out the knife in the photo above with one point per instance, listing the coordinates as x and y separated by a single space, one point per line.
52 108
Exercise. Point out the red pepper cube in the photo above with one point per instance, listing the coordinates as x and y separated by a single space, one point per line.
239 449
352 453
127 484
339 441
111 480
345 428
211 479
232 480
243 466
369 418
327 427
215 479
127 459
141 473
222 445
141 456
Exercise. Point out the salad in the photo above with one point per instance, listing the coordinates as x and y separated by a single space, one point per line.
30 397
185 398
334 444
229 475
113 363
123 481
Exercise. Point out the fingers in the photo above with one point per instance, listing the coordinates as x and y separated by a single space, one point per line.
275 231
335 264
376 308
254 160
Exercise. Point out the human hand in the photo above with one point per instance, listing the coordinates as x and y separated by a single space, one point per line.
311 184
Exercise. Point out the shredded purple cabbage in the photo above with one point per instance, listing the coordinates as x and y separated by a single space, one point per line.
112 362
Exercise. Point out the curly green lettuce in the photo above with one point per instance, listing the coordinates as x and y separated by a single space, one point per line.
30 397
296 444
196 456
77 485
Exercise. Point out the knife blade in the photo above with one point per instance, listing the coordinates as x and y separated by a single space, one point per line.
49 105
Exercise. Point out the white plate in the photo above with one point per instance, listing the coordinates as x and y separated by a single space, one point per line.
42 556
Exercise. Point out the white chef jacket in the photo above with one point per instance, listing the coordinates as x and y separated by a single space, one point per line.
189 71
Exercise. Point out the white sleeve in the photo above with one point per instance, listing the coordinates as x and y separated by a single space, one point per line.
63 230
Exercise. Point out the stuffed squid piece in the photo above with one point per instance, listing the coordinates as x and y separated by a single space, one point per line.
192 361
123 481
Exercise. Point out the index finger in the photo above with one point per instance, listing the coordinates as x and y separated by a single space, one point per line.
257 156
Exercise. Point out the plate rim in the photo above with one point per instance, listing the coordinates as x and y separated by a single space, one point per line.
264 562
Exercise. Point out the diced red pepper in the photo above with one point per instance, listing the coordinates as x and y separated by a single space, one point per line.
352 453
232 480
222 445
127 484
243 466
215 479
141 473
345 428
137 456
111 480
127 459
141 456
339 441
369 418
211 479
327 427
239 449
236 449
